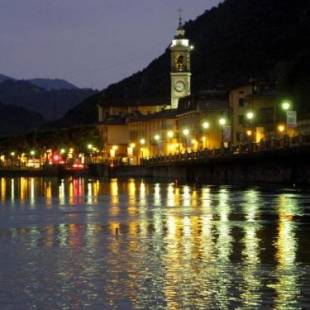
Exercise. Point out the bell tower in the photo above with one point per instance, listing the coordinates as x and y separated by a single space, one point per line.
180 50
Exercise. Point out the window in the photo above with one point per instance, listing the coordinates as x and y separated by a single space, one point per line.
239 136
266 115
241 102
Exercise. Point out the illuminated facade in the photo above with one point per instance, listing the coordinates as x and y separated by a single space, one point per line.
257 115
199 121
180 49
153 135
253 114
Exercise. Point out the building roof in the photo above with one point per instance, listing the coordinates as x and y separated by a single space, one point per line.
269 93
113 120
164 114
204 101
134 102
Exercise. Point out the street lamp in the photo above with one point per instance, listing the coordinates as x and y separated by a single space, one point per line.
142 143
222 122
250 115
205 125
170 134
249 133
186 134
89 146
281 128
157 138
286 105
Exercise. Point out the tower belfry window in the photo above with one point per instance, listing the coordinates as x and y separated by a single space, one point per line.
180 63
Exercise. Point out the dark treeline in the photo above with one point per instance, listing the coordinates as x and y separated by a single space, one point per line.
41 140
17 120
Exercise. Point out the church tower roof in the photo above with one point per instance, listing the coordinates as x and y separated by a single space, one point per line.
180 33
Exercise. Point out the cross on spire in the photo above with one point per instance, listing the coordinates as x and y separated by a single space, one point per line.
180 17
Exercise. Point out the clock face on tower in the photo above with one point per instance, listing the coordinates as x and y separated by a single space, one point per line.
179 86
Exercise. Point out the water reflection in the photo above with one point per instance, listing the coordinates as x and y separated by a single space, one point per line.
286 249
137 244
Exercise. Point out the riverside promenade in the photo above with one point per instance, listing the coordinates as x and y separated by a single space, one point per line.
281 162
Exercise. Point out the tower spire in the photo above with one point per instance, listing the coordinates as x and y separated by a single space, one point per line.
180 30
180 18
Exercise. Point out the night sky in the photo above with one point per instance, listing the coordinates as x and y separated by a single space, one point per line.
91 43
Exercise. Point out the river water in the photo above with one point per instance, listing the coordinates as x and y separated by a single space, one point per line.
133 244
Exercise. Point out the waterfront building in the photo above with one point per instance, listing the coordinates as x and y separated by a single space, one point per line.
122 107
199 121
134 129
114 133
254 115
153 135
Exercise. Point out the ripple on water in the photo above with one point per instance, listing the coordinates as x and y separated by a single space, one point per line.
89 244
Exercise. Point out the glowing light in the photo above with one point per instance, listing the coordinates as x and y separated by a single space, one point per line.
249 133
250 115
12 154
222 121
132 145
281 128
182 42
78 166
90 146
286 105
32 152
56 158
185 132
62 151
205 125
157 137
170 134
142 141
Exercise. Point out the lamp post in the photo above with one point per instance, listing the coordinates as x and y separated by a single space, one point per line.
186 134
286 106
170 136
157 140
142 143
250 117
12 158
222 122
205 127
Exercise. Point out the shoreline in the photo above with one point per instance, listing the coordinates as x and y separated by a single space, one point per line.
284 167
